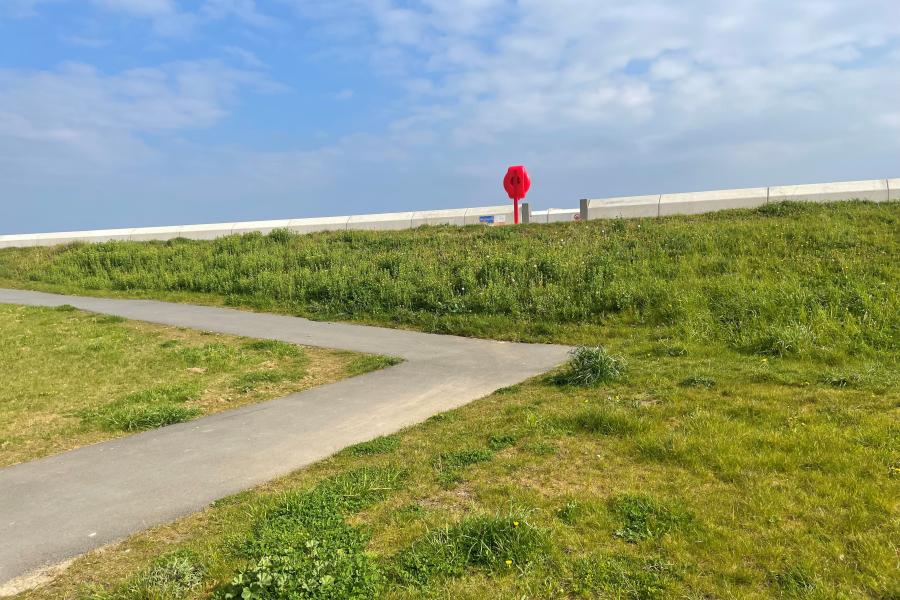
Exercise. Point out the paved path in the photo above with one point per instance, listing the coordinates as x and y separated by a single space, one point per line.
61 506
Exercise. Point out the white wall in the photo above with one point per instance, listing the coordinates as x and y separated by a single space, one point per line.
876 190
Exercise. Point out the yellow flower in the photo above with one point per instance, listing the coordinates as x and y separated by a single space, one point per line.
515 523
508 562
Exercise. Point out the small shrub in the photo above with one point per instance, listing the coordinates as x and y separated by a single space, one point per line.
622 577
642 517
490 542
591 366
699 381
380 445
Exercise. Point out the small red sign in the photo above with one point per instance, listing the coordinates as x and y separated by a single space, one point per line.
517 183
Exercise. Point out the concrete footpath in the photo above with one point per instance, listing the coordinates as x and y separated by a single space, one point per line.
59 507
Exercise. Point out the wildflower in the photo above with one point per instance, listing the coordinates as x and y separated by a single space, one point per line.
515 523
508 563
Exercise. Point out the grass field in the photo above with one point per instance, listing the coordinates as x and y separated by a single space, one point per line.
737 438
72 378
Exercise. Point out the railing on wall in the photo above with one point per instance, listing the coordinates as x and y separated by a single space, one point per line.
657 205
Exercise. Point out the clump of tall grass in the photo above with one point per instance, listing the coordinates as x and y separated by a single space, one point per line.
591 366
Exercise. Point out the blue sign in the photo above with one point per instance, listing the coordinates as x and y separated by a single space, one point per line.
489 220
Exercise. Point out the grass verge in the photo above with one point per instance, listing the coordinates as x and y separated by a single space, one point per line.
72 378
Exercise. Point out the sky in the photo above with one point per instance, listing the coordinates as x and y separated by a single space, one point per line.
123 113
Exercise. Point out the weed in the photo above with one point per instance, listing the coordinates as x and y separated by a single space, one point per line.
569 512
302 547
65 308
642 517
591 366
499 442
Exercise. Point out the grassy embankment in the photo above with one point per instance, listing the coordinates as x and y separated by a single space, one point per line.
72 378
739 440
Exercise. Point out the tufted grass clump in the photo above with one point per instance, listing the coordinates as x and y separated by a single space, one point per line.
496 543
172 577
591 366
148 409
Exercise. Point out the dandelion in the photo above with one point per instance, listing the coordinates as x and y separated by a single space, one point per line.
508 563
515 523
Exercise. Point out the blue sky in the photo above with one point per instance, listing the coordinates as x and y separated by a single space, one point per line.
151 112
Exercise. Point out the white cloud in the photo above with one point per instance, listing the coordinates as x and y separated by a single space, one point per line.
598 97
102 117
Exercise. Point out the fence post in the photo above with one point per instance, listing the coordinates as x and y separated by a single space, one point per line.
584 209
526 213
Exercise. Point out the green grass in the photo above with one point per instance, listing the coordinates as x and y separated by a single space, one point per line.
752 450
783 280
71 378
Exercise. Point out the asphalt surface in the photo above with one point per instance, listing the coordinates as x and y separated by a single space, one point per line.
58 507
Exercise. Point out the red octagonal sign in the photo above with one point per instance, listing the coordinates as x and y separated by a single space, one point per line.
517 183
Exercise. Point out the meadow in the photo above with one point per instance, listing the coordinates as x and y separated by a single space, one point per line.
730 429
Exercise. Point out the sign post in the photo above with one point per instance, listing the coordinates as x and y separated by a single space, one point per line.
517 183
